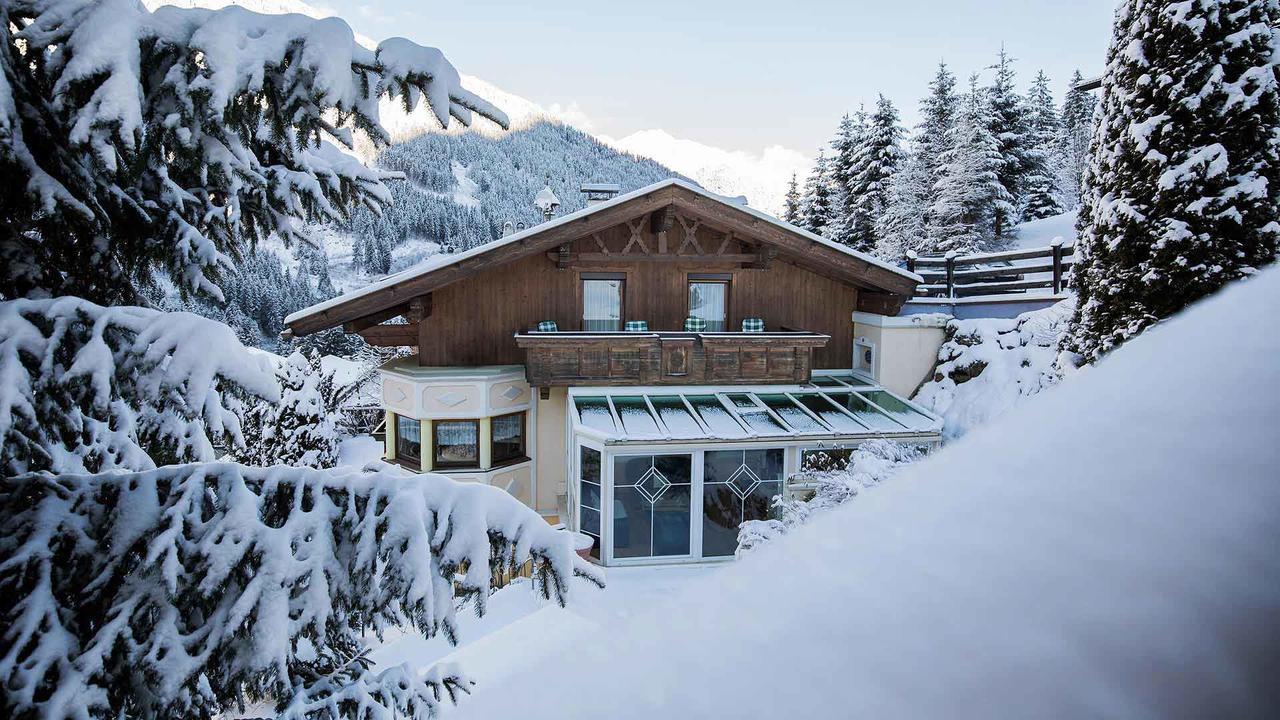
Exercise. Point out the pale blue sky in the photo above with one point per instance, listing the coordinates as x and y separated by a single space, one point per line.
740 74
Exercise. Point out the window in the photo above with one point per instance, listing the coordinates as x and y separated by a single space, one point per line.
589 496
602 303
457 444
709 300
738 485
652 495
408 439
508 438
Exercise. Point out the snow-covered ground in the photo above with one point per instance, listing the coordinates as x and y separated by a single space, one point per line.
1040 233
1107 549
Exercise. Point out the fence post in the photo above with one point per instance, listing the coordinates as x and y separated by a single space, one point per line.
951 274
1056 248
911 261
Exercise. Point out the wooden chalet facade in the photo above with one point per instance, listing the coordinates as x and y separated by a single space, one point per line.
617 281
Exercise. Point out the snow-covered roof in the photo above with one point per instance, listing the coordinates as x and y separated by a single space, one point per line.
833 407
441 262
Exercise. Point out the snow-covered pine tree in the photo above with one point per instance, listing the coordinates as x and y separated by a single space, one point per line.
1007 123
1073 140
878 157
939 111
968 192
816 203
848 222
791 202
1183 191
132 140
902 226
303 427
189 590
88 388
1041 197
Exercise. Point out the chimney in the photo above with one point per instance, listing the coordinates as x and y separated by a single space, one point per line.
600 192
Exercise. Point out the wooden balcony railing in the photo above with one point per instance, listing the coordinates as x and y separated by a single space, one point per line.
668 358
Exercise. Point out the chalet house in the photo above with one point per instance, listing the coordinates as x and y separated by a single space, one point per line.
649 370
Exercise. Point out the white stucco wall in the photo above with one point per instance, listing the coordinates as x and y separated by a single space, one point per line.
905 348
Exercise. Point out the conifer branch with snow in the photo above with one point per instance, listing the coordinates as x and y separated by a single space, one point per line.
189 590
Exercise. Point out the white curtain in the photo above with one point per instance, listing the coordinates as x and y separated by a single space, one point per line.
707 301
602 305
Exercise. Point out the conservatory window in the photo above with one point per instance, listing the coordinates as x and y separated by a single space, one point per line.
457 443
589 496
409 439
507 443
652 495
602 303
738 485
709 300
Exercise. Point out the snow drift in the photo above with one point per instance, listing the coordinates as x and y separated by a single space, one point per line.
1107 549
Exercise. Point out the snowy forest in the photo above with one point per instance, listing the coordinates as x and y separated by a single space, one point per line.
983 158
182 533
457 191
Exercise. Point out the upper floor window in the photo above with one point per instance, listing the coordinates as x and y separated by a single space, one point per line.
602 302
457 443
709 300
408 439
508 438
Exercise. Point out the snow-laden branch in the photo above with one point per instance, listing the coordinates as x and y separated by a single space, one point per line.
86 387
175 135
188 590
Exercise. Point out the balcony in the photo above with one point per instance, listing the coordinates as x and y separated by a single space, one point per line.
668 358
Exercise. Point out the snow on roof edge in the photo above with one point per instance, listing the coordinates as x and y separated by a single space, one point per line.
442 261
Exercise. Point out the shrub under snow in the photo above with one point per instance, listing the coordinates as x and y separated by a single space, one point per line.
304 427
89 388
870 464
987 366
190 590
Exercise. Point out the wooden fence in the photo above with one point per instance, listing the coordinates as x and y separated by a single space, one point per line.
957 276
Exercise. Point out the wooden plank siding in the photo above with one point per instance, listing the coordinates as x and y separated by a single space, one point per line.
474 319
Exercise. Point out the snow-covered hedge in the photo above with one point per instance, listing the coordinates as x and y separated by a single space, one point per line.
89 388
305 427
869 464
986 366
189 590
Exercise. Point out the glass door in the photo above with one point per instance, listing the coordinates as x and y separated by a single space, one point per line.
652 501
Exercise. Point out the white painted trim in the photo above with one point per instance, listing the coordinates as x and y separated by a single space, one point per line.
925 320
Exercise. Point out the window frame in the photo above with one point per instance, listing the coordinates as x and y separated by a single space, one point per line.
401 456
621 278
725 279
437 462
523 453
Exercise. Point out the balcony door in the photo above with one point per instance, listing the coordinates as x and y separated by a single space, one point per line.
709 300
602 302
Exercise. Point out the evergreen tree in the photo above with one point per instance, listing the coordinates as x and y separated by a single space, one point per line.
878 157
902 226
791 203
132 141
938 112
1041 197
815 204
1182 193
1007 123
968 193
848 222
1073 140
302 428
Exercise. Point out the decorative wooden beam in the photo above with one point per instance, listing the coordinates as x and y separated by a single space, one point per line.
764 258
745 259
368 321
637 227
690 234
662 219
405 335
600 243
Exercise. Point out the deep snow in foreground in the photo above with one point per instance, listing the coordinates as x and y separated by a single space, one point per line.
1107 549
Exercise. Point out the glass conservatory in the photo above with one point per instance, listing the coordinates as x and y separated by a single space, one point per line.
666 474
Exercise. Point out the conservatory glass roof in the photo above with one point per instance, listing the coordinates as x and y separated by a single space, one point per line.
832 406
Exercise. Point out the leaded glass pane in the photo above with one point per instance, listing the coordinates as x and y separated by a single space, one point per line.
651 498
632 523
738 486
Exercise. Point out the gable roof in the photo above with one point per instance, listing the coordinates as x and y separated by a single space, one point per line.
816 253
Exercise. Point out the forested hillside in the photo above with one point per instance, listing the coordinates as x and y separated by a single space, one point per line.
459 191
